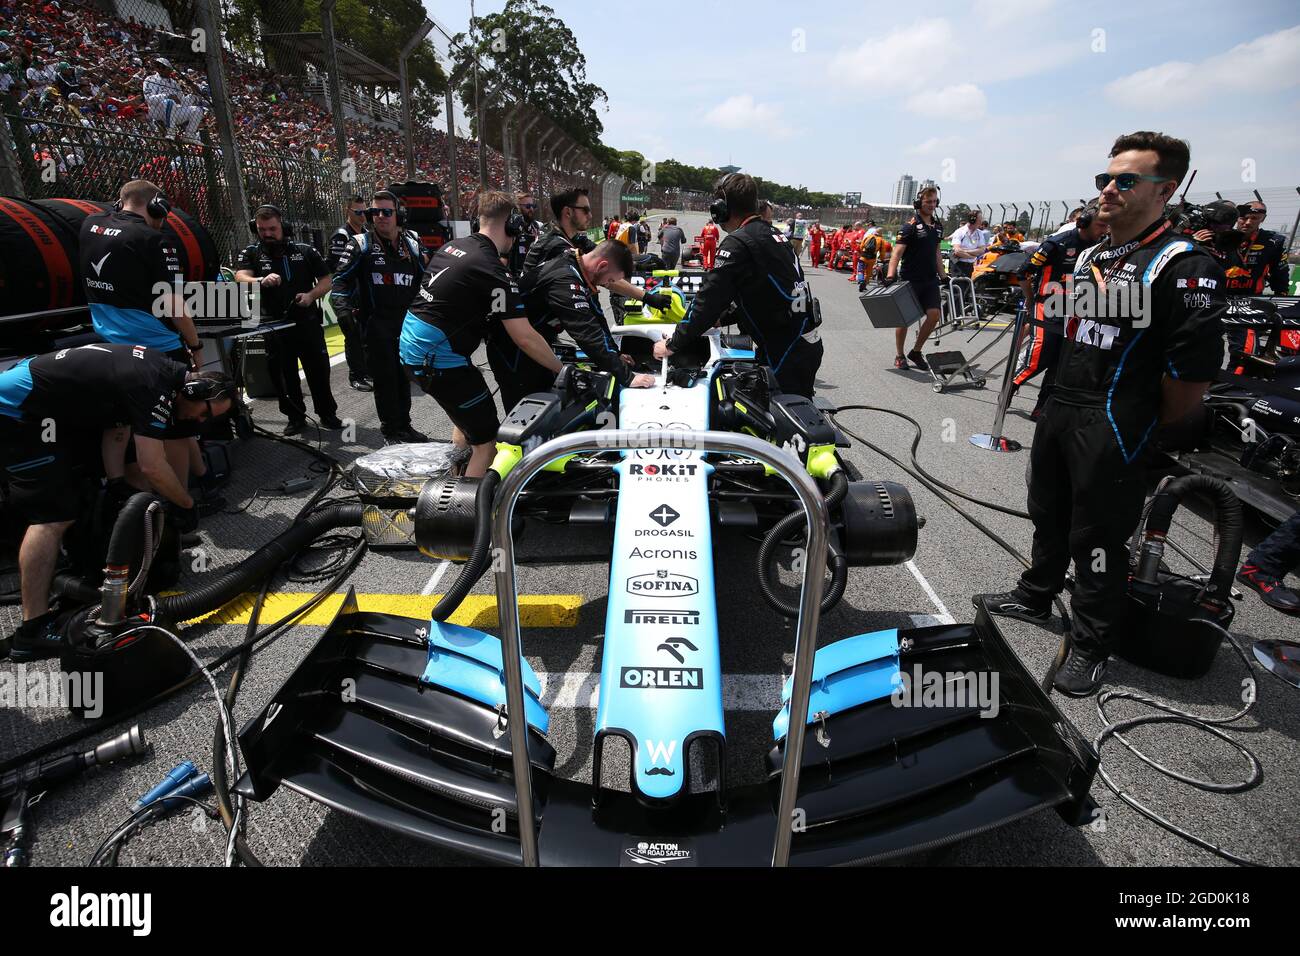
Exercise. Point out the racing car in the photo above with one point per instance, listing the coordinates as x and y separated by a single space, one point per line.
996 277
443 732
1247 432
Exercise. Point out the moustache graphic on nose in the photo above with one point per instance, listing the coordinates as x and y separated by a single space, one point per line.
660 772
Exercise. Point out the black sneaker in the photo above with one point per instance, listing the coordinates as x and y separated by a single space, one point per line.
1275 594
294 428
35 639
361 384
917 359
1014 603
332 424
1081 674
209 505
411 436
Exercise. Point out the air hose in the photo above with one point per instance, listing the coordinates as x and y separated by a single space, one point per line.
789 525
479 556
1228 522
209 597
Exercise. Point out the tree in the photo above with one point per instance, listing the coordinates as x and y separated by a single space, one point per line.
527 53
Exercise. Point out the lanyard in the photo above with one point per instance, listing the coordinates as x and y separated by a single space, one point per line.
1096 273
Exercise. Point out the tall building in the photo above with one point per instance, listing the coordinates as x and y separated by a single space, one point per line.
904 190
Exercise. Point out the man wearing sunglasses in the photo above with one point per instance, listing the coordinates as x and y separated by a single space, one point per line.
354 348
1262 251
527 235
58 413
377 275
1124 368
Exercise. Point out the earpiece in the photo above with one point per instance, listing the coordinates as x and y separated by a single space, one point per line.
207 389
515 224
159 207
719 211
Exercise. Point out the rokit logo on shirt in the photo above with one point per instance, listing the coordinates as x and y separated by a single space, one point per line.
392 278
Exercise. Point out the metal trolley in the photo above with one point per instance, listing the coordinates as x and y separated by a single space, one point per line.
806 632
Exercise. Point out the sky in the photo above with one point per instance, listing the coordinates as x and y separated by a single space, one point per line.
1006 99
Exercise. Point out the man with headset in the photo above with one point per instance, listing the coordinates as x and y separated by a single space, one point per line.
354 346
378 273
125 262
757 270
293 278
1044 293
54 408
465 293
528 233
917 250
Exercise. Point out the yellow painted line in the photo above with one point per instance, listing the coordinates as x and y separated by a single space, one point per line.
477 610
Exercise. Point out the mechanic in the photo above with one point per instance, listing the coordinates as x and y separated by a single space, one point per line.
572 212
917 249
758 271
54 409
1121 371
869 249
767 212
816 236
1262 251
1042 285
643 236
709 244
671 239
354 345
293 278
968 243
528 234
564 299
1269 563
465 292
125 263
377 275
1218 236
834 243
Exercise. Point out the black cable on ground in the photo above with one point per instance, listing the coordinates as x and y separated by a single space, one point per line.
1169 715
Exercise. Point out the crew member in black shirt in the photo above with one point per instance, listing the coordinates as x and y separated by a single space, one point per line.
528 234
1142 342
917 249
755 267
354 345
54 410
466 292
377 275
293 279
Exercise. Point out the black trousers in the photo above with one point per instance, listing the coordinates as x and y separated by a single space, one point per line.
392 388
516 374
1085 501
303 342
354 348
798 372
1279 553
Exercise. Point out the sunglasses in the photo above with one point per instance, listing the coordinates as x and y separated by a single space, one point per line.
529 205
1250 211
372 212
586 209
1126 181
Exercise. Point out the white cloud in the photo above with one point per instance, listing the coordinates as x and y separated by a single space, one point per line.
742 112
1001 12
966 101
1274 57
932 145
902 59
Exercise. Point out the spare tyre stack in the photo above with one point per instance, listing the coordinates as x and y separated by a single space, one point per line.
38 260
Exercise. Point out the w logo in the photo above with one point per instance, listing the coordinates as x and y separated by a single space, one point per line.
661 753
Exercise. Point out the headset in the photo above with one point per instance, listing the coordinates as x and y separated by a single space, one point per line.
719 211
938 194
208 389
286 230
515 224
1086 217
157 208
397 204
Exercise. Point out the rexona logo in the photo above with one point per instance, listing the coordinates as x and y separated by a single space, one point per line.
670 554
663 584
662 678
77 909
647 616
648 853
677 472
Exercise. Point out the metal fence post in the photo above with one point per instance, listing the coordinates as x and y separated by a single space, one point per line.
336 83
209 13
407 120
451 152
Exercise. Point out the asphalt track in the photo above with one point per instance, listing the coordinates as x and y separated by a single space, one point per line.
565 607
